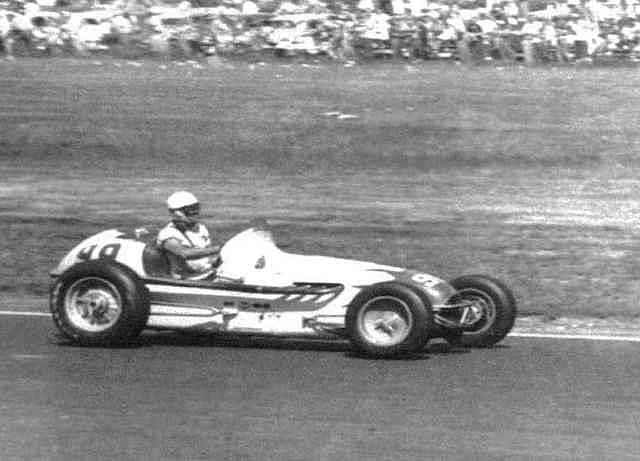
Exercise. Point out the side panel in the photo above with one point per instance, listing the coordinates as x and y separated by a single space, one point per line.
174 295
183 307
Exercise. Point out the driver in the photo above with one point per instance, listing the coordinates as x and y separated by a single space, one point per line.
186 242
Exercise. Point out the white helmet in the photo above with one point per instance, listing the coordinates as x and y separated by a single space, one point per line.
181 199
184 207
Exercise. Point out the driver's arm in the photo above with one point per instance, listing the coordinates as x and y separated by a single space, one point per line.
175 247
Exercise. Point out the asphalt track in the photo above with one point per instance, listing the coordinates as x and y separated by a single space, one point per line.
178 397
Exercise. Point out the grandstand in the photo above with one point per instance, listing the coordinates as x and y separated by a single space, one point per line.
531 32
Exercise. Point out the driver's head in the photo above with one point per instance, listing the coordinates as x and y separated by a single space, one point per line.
184 208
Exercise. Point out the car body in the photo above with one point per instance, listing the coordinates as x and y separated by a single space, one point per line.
114 278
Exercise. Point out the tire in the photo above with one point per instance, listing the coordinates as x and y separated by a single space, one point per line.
98 303
388 320
496 311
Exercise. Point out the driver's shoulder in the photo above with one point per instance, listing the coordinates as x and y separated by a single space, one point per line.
168 232
200 230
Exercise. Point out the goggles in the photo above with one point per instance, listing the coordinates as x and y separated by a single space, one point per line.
191 210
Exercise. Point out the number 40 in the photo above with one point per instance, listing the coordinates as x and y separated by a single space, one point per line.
109 251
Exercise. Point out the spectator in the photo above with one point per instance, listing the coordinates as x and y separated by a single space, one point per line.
487 24
122 24
531 39
563 30
290 7
455 20
22 23
549 43
511 9
587 36
316 7
249 7
45 36
6 28
366 5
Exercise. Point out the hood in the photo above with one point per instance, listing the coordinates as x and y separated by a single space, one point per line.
253 256
326 269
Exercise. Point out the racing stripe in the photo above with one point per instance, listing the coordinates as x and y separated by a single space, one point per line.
325 298
206 292
189 311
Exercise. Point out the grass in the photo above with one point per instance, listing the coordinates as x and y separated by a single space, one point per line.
526 174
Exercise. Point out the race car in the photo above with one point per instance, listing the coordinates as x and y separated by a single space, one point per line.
115 284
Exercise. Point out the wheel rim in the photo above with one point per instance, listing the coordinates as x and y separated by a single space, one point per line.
93 304
478 317
385 321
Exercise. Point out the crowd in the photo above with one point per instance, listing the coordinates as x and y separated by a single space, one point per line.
530 31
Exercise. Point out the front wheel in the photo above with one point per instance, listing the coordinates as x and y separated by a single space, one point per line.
490 316
388 320
99 303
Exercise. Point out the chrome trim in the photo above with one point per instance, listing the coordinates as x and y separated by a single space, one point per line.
447 306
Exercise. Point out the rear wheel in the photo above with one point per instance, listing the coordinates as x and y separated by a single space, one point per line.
388 320
99 303
490 316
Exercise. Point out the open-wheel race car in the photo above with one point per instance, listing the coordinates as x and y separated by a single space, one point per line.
113 285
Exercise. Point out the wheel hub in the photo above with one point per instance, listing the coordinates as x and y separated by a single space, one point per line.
388 325
385 321
474 313
93 304
479 312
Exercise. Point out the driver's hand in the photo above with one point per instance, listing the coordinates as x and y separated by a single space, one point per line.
216 261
